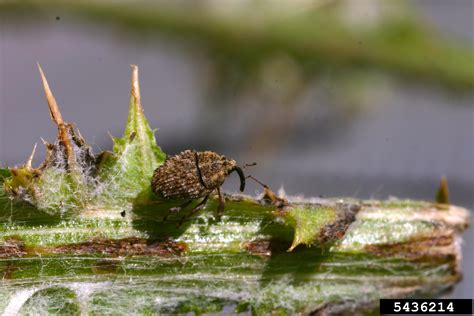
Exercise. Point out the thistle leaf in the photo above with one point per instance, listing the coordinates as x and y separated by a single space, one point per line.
136 155
72 178
63 181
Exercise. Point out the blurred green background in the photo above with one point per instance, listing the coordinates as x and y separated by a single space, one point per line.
359 98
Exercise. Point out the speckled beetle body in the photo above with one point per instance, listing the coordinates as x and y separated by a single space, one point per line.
191 175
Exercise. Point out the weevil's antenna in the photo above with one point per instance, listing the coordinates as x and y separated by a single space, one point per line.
268 194
258 181
249 165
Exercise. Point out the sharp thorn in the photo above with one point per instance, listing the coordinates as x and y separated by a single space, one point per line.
44 141
53 106
63 134
442 196
136 87
29 162
111 136
294 244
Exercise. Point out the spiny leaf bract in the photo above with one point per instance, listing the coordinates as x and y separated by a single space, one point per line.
136 155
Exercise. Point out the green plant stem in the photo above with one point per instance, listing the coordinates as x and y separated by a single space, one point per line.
138 264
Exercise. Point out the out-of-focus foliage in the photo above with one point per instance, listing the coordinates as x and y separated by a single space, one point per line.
308 37
278 54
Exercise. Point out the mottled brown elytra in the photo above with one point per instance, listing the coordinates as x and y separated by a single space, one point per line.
192 175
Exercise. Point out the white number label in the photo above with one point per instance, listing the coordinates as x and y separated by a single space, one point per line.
406 307
450 307
424 306
396 307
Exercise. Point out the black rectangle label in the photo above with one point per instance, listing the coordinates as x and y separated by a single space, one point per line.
426 306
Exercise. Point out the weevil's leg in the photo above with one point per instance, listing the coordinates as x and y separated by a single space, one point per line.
196 209
220 207
176 209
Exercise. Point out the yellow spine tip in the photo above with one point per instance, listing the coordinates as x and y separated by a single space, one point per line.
29 162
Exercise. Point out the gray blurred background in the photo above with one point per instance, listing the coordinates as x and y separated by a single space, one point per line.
370 135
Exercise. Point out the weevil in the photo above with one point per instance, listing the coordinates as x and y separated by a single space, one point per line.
192 175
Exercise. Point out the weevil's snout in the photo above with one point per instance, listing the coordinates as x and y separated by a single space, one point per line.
242 178
241 174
